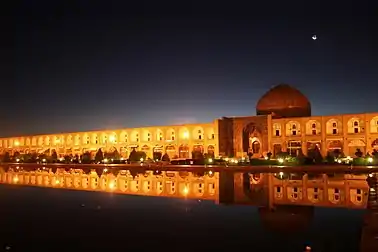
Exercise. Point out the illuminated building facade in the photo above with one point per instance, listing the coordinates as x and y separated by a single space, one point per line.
283 124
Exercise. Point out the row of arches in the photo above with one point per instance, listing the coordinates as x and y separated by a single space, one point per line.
135 136
333 127
181 151
333 147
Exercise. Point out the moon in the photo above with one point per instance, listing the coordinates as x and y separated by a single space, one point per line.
314 37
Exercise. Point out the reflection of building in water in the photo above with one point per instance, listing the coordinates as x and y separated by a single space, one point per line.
340 190
149 183
224 187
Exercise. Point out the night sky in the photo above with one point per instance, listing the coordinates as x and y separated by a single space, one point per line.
111 64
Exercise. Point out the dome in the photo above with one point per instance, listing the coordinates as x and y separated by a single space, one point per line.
284 101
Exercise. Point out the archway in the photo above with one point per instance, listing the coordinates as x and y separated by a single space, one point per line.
256 147
171 151
197 152
157 152
211 151
335 148
183 151
294 148
355 145
277 149
313 150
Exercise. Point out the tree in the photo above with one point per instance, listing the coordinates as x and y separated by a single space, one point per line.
6 157
165 158
137 155
133 155
16 154
375 154
99 156
358 153
54 156
269 155
86 158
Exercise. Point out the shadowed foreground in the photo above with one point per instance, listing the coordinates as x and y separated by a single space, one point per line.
41 219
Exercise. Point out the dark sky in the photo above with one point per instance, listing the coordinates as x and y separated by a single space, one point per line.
80 66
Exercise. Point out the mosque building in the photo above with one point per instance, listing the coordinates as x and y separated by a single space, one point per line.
283 123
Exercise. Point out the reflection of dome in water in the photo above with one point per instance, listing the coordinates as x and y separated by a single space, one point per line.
287 218
284 101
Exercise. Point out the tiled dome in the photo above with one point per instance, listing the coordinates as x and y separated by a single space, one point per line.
284 101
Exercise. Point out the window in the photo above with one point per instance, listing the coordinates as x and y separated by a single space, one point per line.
314 132
316 196
294 132
355 124
337 190
358 191
173 138
315 190
294 127
199 131
295 189
277 132
199 137
278 189
212 136
334 131
334 125
313 125
355 130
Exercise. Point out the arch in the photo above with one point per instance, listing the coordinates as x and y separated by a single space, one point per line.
256 146
250 131
184 133
313 127
294 148
335 148
147 137
293 128
171 151
86 139
40 141
355 125
334 127
170 134
355 146
277 129
47 140
77 139
211 150
28 142
94 138
210 133
104 138
197 152
123 137
184 151
198 133
134 137
113 138
157 152
159 135
34 141
374 125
